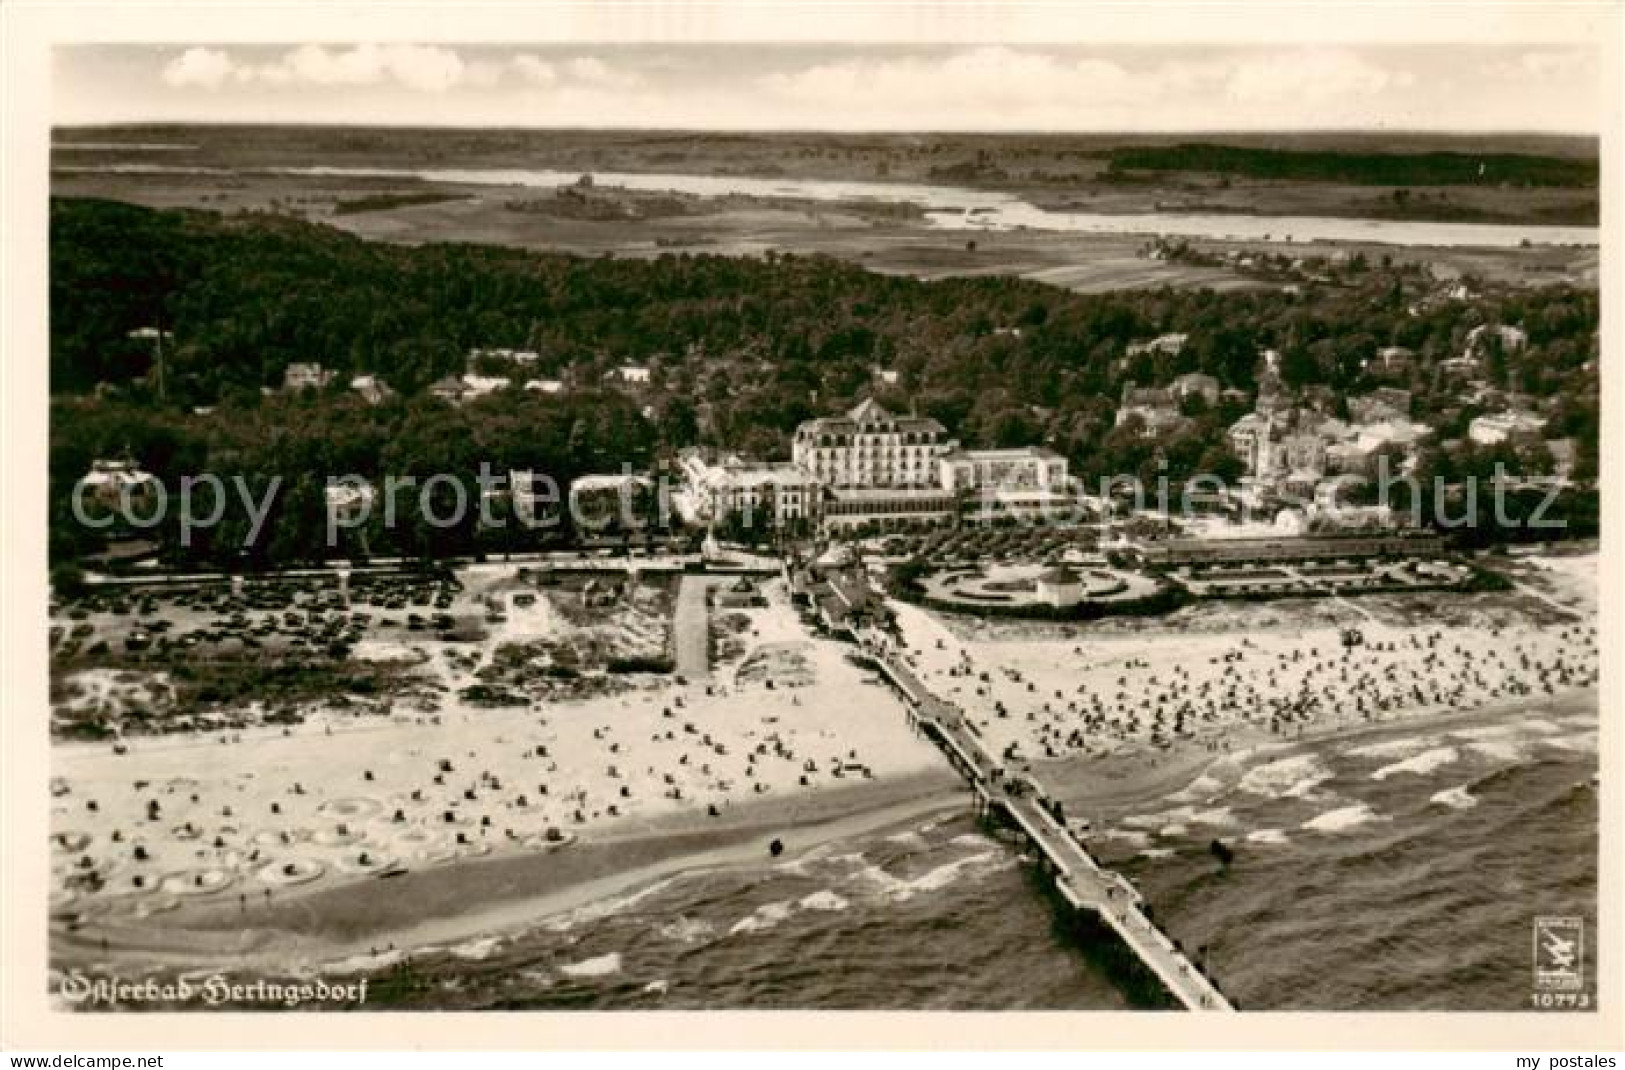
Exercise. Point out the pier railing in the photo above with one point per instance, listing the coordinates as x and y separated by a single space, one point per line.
1082 883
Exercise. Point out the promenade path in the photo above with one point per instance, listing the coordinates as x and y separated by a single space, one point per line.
691 622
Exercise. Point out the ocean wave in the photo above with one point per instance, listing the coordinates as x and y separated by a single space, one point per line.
686 930
363 963
476 950
657 987
1393 748
908 839
603 908
1499 750
1343 818
1420 764
1578 742
599 966
1132 837
761 919
1497 742
1288 778
1218 817
1201 789
1457 798
898 889
1157 852
804 865
1269 836
826 899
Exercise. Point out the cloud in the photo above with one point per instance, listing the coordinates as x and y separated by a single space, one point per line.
428 69
206 68
1311 76
1545 65
424 68
593 73
977 78
999 87
1040 89
534 70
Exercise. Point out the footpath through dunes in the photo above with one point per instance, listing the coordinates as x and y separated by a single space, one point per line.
690 625
1083 885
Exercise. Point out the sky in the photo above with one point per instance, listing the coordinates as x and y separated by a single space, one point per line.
871 87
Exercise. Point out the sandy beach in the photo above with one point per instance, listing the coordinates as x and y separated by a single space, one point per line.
164 833
1060 692
347 842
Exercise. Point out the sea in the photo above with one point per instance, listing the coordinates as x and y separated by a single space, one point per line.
1405 873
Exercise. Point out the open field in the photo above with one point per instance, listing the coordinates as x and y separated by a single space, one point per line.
1072 169
227 170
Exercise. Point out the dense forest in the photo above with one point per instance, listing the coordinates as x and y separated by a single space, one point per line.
1360 168
741 350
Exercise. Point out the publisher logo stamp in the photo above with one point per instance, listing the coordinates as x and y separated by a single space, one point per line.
1559 954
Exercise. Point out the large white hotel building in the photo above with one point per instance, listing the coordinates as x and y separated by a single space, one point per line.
869 466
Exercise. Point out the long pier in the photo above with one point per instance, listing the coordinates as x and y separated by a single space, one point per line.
1082 883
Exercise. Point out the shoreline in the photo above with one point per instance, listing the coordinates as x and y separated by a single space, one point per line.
1079 782
504 892
347 926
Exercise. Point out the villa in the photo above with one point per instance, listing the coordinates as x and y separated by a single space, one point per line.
305 375
122 484
1494 428
778 493
1154 408
372 389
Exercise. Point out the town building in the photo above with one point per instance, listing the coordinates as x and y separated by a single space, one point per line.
535 496
632 374
1026 481
1022 468
1153 407
1383 403
449 389
887 509
1494 428
1353 546
775 494
348 502
481 385
868 447
372 389
1391 359
522 357
1059 587
305 375
1480 338
1166 344
599 502
545 386
1195 384
120 484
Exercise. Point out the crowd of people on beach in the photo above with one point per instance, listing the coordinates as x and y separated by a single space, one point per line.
146 827
1081 699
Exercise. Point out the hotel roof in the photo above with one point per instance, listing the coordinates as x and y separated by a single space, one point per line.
868 412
